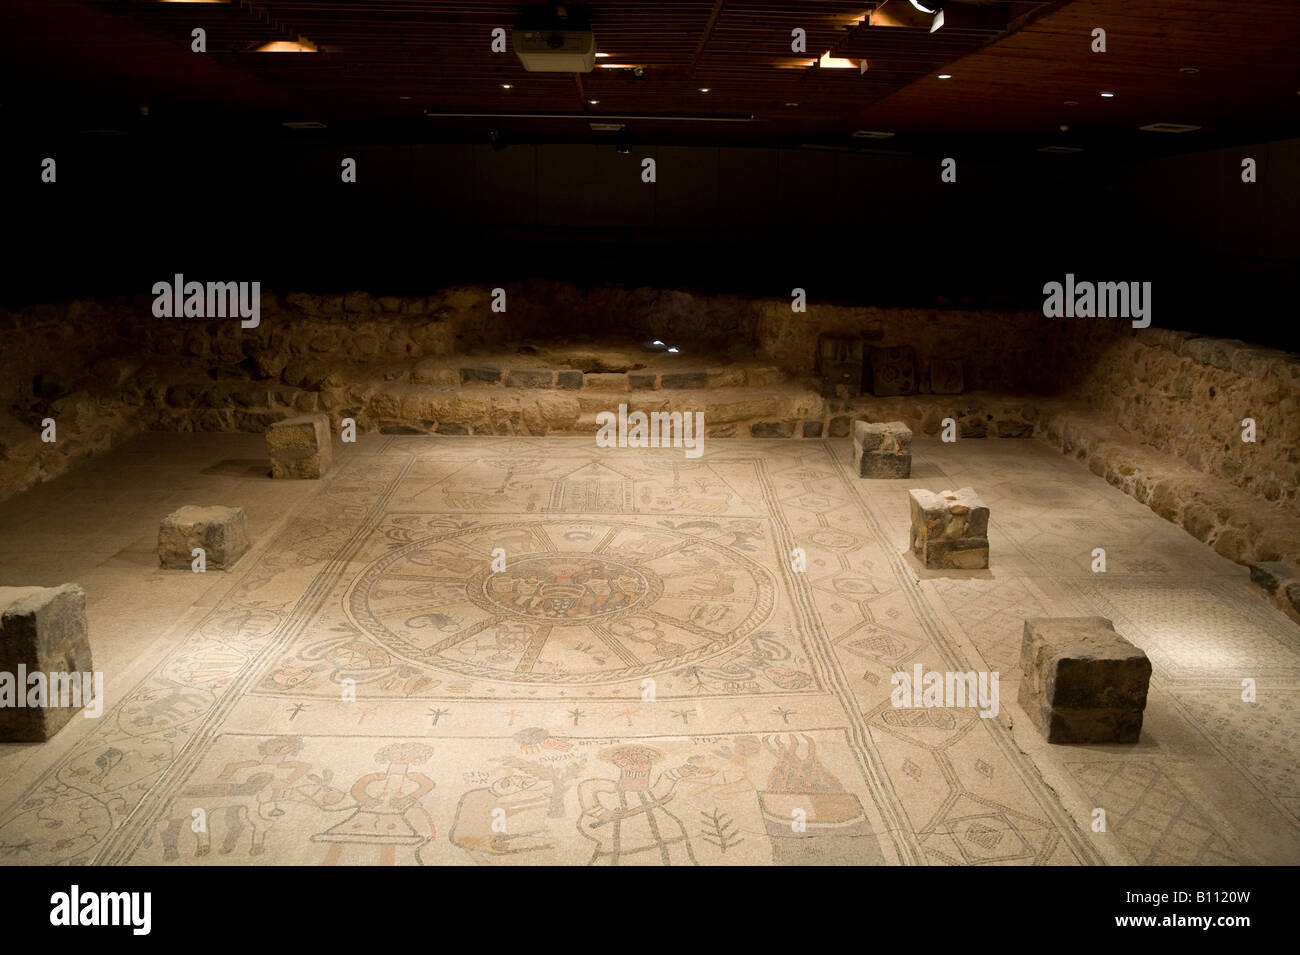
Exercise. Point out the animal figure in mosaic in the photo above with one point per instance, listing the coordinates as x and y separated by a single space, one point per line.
505 820
253 803
724 774
718 584
476 499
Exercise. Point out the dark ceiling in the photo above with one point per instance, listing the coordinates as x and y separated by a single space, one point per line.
382 66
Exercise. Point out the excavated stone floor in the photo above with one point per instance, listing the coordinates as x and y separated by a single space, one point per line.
647 681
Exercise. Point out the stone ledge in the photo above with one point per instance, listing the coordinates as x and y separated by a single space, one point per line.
1236 523
1280 583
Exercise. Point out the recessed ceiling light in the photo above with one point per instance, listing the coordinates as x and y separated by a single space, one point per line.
1107 95
945 76
672 351
602 55
704 89
1071 102
791 104
301 45
506 86
828 62
593 102
1188 69
403 97
1168 128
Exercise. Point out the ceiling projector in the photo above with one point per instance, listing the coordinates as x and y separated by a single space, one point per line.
555 51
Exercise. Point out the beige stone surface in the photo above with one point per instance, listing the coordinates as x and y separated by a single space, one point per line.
785 678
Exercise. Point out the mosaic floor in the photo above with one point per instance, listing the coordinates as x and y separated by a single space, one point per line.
645 680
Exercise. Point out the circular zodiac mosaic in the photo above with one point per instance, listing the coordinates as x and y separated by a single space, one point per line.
578 601
563 588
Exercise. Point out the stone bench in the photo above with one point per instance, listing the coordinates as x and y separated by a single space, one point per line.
950 530
882 449
300 447
42 630
1081 682
222 532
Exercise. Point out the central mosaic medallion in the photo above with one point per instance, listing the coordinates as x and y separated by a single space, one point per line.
566 589
578 601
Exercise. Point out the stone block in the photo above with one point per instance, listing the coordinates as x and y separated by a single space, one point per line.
893 371
490 373
812 429
882 449
1081 682
605 381
684 379
222 532
569 379
840 426
42 630
763 377
1270 574
641 381
947 377
300 447
771 429
950 529
530 378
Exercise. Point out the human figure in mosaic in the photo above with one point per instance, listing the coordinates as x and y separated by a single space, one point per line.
627 818
388 813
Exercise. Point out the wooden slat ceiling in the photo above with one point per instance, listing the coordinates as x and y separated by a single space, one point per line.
1246 54
383 63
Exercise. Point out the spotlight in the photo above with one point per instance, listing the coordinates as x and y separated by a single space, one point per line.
1107 95
657 343
945 76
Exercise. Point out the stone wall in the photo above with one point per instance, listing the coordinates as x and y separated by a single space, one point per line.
1187 395
446 363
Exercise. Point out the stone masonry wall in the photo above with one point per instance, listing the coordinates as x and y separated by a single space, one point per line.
412 365
1187 395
